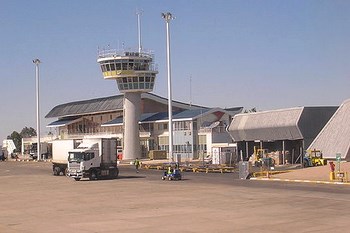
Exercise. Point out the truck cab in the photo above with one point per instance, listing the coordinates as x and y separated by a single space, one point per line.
93 159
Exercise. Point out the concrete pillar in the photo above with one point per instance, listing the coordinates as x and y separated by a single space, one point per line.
283 152
132 105
247 150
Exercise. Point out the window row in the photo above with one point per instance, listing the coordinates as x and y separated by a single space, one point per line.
182 148
124 65
135 83
135 86
182 125
137 79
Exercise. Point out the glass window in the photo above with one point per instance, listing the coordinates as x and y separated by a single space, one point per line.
134 79
112 66
142 86
187 125
147 86
124 66
142 79
136 86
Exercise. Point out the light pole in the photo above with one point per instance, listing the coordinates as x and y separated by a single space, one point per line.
37 62
168 16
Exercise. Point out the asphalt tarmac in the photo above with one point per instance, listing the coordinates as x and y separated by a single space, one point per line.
32 200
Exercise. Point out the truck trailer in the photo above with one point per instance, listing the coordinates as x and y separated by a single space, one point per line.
94 158
60 149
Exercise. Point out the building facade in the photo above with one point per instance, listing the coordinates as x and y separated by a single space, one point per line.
195 128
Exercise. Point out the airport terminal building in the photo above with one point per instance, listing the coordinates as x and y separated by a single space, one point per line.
196 129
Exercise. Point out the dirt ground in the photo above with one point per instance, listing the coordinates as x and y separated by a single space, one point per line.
320 173
32 200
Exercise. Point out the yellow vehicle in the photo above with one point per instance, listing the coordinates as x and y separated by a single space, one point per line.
314 158
260 157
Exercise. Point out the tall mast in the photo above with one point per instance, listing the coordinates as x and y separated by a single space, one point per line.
139 13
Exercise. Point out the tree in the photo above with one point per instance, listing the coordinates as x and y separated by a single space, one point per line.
17 137
28 132
17 140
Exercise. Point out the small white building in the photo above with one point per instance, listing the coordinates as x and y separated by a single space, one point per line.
8 147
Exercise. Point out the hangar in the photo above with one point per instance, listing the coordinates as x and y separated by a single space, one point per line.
286 131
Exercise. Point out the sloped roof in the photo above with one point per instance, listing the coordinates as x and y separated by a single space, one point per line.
283 124
106 104
267 125
193 113
99 105
163 116
335 136
63 122
234 111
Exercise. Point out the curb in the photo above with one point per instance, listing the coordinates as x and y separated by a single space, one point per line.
300 181
30 160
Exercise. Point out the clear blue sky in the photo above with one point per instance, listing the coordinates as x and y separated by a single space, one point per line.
264 54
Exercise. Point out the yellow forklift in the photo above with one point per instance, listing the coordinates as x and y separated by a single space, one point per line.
260 157
314 158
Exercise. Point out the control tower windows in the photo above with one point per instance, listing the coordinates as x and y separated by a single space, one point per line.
136 83
124 64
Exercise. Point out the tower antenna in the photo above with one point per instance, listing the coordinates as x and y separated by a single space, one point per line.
191 91
139 13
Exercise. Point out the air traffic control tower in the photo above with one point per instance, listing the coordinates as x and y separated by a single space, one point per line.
135 73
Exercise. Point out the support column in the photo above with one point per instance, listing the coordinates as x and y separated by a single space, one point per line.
283 152
132 104
247 150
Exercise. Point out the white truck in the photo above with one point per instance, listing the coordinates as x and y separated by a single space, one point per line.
60 149
94 158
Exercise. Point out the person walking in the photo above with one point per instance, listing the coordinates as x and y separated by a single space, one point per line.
137 164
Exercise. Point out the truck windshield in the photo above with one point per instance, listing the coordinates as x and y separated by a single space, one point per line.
80 156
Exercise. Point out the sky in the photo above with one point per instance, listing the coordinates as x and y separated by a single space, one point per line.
224 53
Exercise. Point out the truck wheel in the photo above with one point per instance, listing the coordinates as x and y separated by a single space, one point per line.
116 173
93 175
56 171
113 173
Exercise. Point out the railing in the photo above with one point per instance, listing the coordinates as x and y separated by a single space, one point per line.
219 129
104 53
